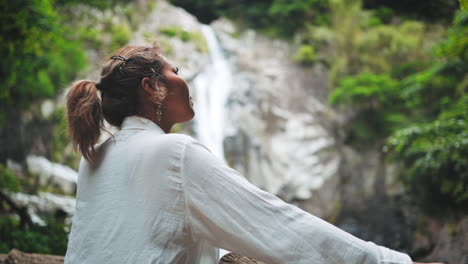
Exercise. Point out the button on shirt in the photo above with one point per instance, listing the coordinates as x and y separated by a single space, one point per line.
151 197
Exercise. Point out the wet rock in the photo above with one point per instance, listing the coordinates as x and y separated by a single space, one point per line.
451 242
45 203
51 173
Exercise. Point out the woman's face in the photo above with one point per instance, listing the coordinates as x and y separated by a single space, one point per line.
177 106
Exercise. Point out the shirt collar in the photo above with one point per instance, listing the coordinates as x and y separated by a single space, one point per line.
138 122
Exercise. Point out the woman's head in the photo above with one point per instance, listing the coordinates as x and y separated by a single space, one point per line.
135 80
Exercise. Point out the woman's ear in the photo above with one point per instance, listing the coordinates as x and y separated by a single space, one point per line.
148 85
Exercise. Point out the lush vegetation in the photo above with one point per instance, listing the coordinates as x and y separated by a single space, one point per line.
416 9
8 181
19 232
434 148
420 110
44 44
42 50
49 239
17 229
39 55
276 17
284 18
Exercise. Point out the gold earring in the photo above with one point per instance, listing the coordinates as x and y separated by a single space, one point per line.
159 112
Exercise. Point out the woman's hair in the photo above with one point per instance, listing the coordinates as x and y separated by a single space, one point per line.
121 76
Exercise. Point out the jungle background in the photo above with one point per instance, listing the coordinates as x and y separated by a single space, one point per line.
393 79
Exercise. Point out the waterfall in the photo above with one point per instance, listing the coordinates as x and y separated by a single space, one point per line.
212 88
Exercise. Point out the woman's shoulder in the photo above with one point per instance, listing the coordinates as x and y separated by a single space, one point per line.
173 141
186 146
177 138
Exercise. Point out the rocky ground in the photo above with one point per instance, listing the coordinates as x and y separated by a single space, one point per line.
17 257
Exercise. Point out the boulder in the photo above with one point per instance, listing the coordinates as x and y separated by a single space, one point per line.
18 257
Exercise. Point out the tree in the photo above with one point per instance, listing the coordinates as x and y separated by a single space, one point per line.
39 56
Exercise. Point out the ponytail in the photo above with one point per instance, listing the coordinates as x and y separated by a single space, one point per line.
84 117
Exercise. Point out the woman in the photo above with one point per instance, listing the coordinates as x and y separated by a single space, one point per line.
146 196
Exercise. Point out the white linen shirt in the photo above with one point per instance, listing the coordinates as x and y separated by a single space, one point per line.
165 198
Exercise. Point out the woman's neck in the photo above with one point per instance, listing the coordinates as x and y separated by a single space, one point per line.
164 124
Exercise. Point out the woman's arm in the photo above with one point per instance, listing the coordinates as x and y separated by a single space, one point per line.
226 210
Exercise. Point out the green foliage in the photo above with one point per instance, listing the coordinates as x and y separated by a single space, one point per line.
284 18
176 32
305 55
464 4
435 154
362 43
455 45
394 44
431 91
292 14
374 21
439 87
170 31
423 112
101 4
42 43
274 17
196 37
384 14
375 100
90 37
8 180
37 59
105 30
366 90
434 10
121 35
49 239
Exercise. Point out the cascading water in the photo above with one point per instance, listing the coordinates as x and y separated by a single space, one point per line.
212 88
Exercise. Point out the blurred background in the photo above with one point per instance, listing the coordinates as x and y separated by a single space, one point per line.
353 110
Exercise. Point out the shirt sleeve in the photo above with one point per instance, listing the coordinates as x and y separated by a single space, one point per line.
223 208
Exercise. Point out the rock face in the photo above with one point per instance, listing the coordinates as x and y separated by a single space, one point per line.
451 242
189 52
281 140
24 133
